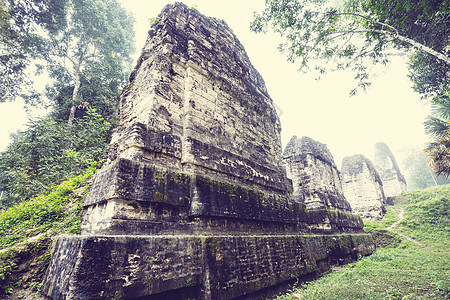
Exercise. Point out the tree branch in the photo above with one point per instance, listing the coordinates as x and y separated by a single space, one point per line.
367 18
413 43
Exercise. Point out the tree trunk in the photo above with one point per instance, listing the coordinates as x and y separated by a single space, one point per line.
73 108
394 33
76 87
419 46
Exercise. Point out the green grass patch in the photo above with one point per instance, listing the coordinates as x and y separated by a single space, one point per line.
398 269
390 273
57 212
389 218
427 217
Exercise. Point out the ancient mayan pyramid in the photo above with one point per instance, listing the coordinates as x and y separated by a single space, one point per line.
194 202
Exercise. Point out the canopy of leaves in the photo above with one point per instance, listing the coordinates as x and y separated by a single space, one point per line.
22 24
100 86
357 34
37 159
96 31
425 21
90 54
95 45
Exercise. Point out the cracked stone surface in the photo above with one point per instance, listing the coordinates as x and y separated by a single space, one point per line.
195 110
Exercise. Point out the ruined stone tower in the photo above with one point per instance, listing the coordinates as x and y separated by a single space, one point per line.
393 181
198 132
315 176
317 183
194 202
363 187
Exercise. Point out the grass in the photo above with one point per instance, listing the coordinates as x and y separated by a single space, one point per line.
399 269
59 211
26 230
427 217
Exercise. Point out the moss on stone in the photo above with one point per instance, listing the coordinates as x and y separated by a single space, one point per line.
159 197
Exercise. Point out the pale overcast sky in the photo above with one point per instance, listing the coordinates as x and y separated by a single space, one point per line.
389 111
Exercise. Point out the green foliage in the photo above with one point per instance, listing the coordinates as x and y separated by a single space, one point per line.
154 20
430 77
37 160
323 35
7 266
87 56
57 211
100 86
398 270
26 230
22 26
90 57
439 153
85 45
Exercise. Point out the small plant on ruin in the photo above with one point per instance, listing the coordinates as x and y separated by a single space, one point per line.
154 20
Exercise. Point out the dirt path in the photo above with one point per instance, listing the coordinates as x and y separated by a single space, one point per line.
400 218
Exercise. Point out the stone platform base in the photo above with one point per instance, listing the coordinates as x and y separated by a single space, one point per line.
191 267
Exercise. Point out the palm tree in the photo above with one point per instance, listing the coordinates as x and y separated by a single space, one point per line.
439 153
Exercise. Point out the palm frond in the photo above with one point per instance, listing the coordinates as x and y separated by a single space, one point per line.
436 127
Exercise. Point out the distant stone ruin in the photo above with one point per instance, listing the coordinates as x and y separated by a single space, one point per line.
363 187
194 201
393 181
315 176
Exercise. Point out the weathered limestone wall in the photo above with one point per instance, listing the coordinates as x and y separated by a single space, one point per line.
363 187
315 176
191 267
393 181
194 201
195 109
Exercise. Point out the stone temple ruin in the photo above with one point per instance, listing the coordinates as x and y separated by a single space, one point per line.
194 201
315 176
363 187
317 183
393 181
